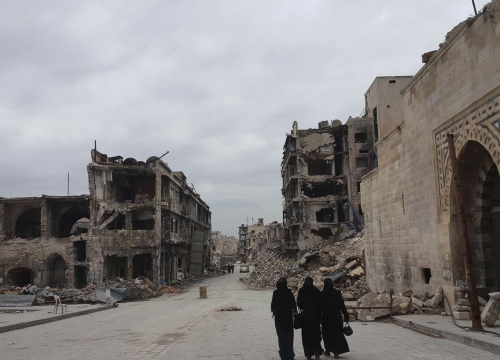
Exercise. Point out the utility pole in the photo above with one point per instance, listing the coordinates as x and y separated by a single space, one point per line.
474 4
68 184
470 269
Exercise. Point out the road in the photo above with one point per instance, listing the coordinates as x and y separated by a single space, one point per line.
182 326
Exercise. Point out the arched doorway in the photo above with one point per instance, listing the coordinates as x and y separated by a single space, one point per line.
72 222
480 182
28 224
20 276
54 273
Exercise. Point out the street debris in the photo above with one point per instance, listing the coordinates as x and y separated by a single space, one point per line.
230 308
340 261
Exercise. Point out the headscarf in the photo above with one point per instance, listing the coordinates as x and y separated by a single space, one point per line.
282 284
328 284
308 282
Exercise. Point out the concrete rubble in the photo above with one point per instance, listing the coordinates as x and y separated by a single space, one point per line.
339 260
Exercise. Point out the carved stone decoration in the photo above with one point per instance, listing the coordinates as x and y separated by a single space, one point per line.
481 123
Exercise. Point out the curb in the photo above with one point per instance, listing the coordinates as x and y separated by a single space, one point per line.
479 344
50 319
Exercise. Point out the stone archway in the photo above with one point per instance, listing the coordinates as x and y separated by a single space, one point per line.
480 182
28 224
54 271
68 223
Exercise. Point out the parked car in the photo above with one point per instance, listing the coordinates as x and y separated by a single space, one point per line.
244 268
238 262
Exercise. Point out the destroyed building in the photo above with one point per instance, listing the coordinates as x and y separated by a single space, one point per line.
140 219
411 223
257 237
321 171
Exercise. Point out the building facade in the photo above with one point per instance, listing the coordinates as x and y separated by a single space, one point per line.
411 237
321 171
140 219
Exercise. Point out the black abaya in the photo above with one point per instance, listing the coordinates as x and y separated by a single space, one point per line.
308 301
334 308
283 306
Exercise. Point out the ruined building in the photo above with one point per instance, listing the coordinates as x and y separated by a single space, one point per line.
411 224
140 219
253 238
321 171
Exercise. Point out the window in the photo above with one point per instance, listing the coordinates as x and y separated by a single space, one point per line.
375 123
392 81
426 274
360 210
359 186
364 151
361 162
360 137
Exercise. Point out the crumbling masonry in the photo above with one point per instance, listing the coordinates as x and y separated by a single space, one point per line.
140 219
321 171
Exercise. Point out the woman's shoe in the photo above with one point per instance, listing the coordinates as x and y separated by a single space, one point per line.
326 353
308 358
317 357
336 356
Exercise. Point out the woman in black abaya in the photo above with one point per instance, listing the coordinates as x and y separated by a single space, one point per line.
283 307
334 310
308 301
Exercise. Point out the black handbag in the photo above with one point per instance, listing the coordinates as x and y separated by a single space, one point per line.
298 321
347 330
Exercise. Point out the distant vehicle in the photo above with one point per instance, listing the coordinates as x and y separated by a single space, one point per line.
244 268
238 262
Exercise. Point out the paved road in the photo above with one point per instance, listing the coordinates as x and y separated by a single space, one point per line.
182 326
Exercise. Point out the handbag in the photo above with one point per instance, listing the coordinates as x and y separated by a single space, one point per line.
347 330
298 321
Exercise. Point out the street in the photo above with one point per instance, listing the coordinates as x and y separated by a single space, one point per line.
182 326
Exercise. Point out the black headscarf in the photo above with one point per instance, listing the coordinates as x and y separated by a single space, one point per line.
282 284
308 282
328 284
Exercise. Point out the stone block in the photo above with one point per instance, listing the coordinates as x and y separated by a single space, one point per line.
490 313
495 295
352 318
417 300
459 315
460 308
435 301
463 302
407 293
351 265
482 302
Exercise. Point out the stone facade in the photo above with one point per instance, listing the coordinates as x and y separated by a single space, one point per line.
321 172
411 225
257 237
140 219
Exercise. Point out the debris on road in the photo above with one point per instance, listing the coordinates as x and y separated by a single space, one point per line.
230 308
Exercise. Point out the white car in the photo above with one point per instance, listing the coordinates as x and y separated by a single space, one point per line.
238 262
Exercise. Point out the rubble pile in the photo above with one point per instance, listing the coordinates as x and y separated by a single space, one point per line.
230 308
119 290
339 260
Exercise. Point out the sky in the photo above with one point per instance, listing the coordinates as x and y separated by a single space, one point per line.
218 84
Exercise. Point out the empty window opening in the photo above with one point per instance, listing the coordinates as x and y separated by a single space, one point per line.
341 212
174 225
80 276
339 164
142 265
403 202
325 233
426 274
319 189
358 186
319 167
115 267
364 151
134 189
325 215
74 221
392 81
143 220
54 271
28 224
80 250
375 123
361 162
20 276
339 143
117 223
82 226
360 210
360 137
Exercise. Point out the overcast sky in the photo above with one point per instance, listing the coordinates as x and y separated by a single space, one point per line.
216 83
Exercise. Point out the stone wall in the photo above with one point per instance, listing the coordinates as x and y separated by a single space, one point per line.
406 200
